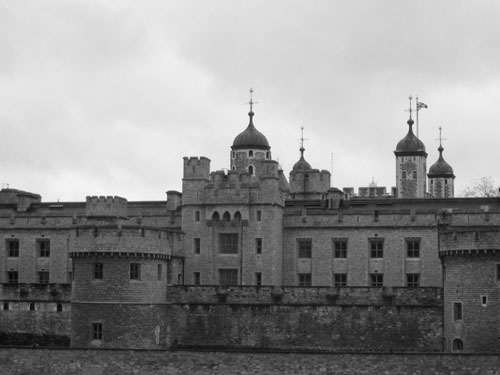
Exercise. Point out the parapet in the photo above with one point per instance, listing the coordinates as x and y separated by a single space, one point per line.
22 199
106 206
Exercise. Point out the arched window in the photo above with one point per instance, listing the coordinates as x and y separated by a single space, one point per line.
215 217
414 175
458 345
250 169
226 217
404 175
250 154
237 216
267 155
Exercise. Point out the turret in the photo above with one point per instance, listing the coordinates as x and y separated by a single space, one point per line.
441 177
411 166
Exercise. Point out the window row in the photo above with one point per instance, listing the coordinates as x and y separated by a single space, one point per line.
375 245
31 306
409 176
134 271
13 277
42 247
228 244
375 280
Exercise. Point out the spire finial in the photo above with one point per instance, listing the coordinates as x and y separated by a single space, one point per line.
251 102
410 98
440 139
302 139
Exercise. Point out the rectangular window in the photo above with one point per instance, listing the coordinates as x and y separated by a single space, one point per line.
412 280
377 280
258 245
43 247
98 271
340 248
12 277
228 243
197 215
457 311
12 246
135 271
96 331
258 278
340 279
413 247
376 248
160 272
305 279
59 307
305 247
197 245
43 277
228 276
197 278
259 215
32 306
5 305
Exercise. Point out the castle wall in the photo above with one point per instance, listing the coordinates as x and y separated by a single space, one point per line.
35 314
306 318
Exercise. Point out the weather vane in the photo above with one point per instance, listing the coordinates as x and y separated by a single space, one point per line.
440 139
251 102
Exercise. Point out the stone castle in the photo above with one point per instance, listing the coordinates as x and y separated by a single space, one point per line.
248 258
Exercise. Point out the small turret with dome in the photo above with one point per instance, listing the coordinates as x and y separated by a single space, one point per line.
441 176
411 165
249 147
306 182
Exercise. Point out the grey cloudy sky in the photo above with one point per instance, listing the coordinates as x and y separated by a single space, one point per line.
106 97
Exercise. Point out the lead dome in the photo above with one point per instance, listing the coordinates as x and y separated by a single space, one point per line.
250 138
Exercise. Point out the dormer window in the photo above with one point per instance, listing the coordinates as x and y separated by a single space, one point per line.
250 154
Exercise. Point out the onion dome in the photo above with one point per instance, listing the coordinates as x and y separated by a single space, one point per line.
250 138
302 165
440 168
410 144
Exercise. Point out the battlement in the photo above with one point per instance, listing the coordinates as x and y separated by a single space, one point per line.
196 167
455 241
121 240
106 206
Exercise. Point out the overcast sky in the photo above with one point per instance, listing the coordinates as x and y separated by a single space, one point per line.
107 97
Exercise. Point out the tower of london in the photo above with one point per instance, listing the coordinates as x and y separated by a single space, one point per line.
253 257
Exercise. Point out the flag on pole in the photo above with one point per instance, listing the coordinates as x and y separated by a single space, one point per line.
421 105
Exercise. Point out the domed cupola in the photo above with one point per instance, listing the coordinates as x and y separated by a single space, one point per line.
250 138
441 176
440 168
302 165
411 165
410 144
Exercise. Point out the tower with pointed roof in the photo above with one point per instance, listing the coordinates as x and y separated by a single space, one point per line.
411 165
441 177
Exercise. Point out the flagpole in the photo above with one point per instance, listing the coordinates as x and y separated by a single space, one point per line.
417 114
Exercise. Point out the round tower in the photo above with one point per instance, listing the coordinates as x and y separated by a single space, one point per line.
471 287
441 177
119 279
411 166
